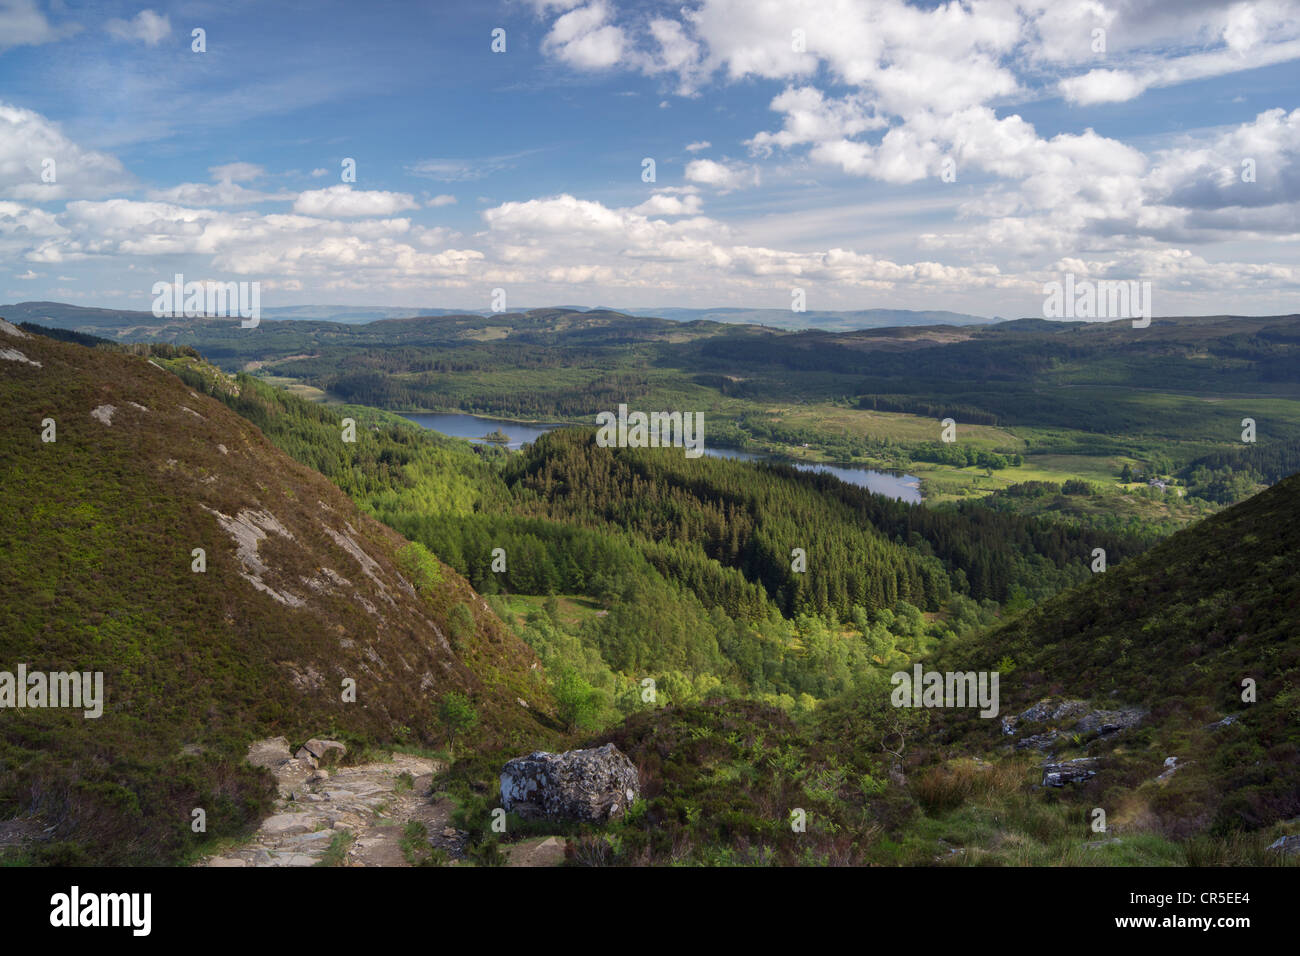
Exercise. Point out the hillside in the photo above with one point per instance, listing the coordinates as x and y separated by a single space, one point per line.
1177 632
301 592
1141 665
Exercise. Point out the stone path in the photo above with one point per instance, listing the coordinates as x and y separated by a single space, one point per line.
373 802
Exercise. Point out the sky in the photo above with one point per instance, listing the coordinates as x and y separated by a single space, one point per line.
870 153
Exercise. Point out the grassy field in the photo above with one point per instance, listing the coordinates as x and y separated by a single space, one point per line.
574 609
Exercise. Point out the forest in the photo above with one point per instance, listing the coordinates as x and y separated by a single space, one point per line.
682 571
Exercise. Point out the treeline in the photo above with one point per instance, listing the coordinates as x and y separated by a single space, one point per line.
952 453
914 405
1235 473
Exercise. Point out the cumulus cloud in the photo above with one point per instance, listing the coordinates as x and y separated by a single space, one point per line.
725 177
225 190
661 204
34 151
344 201
585 39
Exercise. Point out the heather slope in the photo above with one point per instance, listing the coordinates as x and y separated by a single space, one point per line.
301 595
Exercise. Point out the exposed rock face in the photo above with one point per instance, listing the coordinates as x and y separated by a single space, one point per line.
1041 742
1077 715
1046 710
590 785
1068 771
1286 844
1109 721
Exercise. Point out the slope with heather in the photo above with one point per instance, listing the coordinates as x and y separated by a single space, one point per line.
225 592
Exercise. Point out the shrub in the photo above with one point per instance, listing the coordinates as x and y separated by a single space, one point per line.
419 564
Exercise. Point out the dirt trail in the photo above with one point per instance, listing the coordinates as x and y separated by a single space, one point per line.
373 802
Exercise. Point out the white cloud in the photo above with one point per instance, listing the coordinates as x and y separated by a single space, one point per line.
147 27
30 145
446 199
343 200
1102 86
811 118
223 193
23 24
661 204
583 38
697 146
236 172
725 177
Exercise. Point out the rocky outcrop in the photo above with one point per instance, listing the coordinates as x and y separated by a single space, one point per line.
1172 766
1105 722
316 752
1067 717
588 785
1286 845
1041 742
1068 771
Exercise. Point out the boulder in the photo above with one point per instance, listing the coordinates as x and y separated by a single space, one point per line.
587 785
1172 766
1068 771
1286 844
325 751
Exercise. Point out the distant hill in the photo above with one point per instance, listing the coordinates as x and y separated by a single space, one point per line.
829 321
115 320
300 593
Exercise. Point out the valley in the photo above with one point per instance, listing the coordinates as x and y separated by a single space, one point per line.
569 594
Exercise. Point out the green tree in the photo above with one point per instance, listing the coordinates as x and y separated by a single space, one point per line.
458 715
579 702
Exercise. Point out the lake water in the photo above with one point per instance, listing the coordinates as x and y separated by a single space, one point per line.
474 428
903 487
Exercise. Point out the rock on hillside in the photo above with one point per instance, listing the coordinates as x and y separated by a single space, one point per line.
591 785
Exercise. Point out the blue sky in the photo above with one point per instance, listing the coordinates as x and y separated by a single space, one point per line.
783 160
